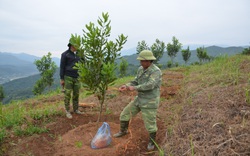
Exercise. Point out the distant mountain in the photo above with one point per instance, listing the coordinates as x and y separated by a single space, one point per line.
25 57
22 88
211 51
127 52
32 58
9 59
13 65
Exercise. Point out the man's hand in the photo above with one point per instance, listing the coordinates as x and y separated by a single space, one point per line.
131 88
62 83
122 88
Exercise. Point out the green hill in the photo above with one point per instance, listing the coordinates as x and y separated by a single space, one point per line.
12 67
22 88
18 65
204 110
211 51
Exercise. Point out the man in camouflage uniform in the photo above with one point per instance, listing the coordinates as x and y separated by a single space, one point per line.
147 83
69 78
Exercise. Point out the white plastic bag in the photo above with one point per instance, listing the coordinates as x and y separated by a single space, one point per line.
102 138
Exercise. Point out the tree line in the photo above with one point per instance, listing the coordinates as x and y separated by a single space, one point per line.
172 48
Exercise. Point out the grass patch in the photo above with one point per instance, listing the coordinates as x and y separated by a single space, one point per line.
2 134
29 130
12 115
223 70
17 117
45 112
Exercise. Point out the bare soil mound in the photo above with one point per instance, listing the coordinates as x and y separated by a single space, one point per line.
73 137
131 144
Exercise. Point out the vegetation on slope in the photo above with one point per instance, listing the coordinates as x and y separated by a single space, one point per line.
207 115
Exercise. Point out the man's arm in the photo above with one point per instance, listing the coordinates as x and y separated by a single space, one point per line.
62 66
62 69
152 82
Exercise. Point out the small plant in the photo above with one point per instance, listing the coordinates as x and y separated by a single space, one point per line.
108 111
199 110
243 121
78 144
209 95
60 138
190 101
247 96
170 130
192 145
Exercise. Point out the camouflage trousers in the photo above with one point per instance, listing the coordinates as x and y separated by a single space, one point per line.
71 85
148 115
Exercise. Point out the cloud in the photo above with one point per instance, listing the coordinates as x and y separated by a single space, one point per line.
37 27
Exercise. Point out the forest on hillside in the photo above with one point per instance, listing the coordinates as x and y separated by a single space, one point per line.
19 89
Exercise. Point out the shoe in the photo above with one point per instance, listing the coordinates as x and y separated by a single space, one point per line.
120 134
151 143
151 146
68 115
78 112
123 129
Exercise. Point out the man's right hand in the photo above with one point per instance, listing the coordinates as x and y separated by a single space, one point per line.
123 88
62 83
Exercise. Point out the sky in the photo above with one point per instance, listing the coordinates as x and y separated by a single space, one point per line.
37 27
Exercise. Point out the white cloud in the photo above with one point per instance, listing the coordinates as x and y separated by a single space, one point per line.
37 27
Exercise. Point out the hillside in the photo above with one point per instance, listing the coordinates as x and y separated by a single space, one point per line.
12 67
22 88
204 110
18 65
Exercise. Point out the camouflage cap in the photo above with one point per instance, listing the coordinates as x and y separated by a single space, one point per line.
146 55
75 41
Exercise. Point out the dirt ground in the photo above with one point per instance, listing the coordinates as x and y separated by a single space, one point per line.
215 121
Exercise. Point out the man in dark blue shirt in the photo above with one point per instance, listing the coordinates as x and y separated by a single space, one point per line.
69 78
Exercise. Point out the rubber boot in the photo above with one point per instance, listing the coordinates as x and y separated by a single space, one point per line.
151 143
123 129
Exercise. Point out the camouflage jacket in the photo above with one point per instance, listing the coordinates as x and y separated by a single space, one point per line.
147 83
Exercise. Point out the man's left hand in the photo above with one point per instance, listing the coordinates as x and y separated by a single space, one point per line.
131 88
